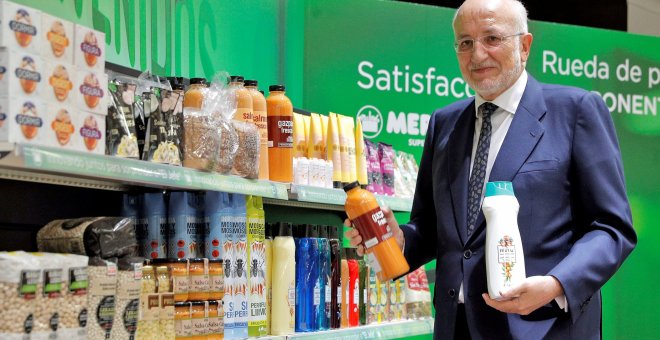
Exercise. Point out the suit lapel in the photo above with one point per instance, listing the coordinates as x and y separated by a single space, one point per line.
521 139
460 150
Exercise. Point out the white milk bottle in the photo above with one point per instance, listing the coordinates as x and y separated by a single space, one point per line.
505 260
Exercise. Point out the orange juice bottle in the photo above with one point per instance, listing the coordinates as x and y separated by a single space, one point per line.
280 135
194 96
259 118
382 250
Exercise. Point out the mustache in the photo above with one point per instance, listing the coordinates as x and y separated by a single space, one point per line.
481 65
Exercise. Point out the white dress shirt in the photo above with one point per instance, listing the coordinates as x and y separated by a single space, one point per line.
501 119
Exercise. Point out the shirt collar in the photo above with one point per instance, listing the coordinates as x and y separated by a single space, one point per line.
510 98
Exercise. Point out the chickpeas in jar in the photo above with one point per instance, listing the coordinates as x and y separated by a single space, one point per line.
164 280
216 280
199 280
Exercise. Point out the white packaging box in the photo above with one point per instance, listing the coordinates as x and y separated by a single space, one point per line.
58 83
90 128
22 75
20 27
57 39
89 49
91 91
25 120
60 127
4 119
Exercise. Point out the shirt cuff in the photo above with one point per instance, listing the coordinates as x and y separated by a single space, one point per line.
561 301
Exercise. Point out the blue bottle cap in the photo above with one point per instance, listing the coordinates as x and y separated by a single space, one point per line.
499 188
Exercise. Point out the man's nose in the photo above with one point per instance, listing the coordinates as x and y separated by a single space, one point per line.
479 53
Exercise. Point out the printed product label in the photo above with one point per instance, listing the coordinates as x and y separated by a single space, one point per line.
27 288
52 283
183 328
105 313
257 279
25 74
244 115
373 227
356 292
20 27
506 257
166 306
280 132
199 325
150 307
328 295
199 283
130 316
184 243
214 325
154 243
317 294
90 49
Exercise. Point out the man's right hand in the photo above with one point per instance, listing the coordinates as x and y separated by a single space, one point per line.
356 239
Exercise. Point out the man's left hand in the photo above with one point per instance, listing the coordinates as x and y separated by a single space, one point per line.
530 295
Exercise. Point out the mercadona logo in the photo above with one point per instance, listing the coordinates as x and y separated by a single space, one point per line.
372 121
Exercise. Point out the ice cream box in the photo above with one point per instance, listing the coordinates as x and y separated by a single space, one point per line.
58 80
91 91
61 127
25 120
20 27
89 49
20 74
90 129
57 39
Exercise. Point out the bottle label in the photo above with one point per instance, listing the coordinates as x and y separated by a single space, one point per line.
506 257
373 227
244 115
328 294
280 132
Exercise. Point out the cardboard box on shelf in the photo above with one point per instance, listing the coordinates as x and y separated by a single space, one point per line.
89 49
57 39
22 75
91 90
20 27
58 83
4 120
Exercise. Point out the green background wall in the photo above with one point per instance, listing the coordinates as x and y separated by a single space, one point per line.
316 47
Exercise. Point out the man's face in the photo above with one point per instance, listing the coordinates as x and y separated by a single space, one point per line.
491 70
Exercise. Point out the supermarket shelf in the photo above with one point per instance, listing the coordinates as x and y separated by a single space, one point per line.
40 164
56 166
390 330
305 193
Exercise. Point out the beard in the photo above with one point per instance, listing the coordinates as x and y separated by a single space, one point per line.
491 87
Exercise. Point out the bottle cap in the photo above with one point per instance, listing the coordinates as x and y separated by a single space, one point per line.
284 229
268 228
351 185
333 232
276 88
499 189
251 82
311 231
236 79
323 231
197 81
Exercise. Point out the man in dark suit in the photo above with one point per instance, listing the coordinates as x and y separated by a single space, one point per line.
558 147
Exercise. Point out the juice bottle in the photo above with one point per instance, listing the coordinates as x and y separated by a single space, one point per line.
260 119
243 100
382 250
194 96
280 135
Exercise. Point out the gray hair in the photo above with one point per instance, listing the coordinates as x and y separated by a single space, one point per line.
520 16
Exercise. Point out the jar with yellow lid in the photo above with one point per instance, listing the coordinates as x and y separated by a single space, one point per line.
216 280
182 321
199 279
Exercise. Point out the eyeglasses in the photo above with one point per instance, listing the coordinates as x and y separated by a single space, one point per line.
490 41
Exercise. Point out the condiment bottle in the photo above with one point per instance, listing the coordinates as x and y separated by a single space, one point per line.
182 322
335 282
179 274
505 260
284 281
344 289
280 135
216 280
382 250
199 279
260 118
198 318
215 331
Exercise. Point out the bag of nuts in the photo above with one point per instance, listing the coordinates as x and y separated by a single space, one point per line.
74 312
49 298
105 237
101 297
19 284
127 304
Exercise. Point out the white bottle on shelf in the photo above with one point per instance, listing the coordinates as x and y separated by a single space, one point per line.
505 260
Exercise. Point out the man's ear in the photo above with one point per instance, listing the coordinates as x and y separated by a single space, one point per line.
525 46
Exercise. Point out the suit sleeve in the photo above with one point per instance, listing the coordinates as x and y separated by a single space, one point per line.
420 232
604 235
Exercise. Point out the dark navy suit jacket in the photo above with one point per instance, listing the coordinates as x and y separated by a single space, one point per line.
562 155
